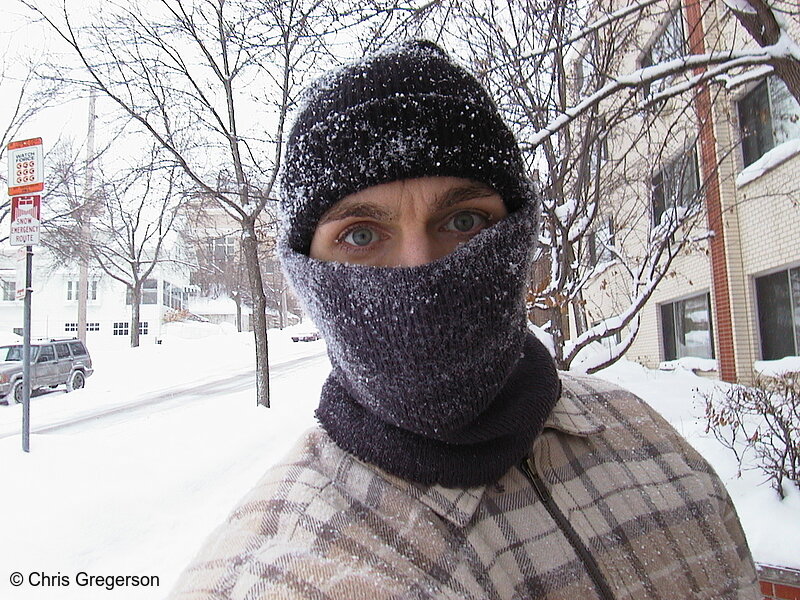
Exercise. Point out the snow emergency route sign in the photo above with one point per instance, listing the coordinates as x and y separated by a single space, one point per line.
25 172
26 214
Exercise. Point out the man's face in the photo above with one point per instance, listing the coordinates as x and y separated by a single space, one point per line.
405 223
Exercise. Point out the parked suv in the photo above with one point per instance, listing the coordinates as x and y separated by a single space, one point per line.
53 363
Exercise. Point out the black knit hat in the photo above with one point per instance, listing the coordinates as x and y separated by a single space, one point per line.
407 112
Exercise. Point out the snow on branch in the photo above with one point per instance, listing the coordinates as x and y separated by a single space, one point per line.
742 6
731 82
591 359
585 32
726 60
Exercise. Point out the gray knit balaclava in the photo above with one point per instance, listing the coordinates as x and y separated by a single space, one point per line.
434 378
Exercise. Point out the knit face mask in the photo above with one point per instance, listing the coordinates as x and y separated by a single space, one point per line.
434 378
431 366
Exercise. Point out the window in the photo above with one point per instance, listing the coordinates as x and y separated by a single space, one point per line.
601 240
174 296
222 249
769 115
72 290
73 327
686 328
149 292
675 185
46 353
143 327
18 330
77 347
668 45
62 350
9 291
778 297
121 329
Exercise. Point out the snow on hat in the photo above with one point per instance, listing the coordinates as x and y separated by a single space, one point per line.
407 112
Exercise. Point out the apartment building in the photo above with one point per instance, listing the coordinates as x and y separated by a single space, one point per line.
732 155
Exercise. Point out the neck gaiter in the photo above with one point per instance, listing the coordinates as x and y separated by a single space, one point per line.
434 377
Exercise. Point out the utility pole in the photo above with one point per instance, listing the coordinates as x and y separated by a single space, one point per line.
85 215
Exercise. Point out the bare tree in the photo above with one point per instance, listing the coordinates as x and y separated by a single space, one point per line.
767 23
212 81
556 69
24 96
186 71
132 218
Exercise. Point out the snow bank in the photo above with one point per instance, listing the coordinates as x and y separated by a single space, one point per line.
690 363
768 161
776 368
134 471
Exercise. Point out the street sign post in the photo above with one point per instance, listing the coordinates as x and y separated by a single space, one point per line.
25 181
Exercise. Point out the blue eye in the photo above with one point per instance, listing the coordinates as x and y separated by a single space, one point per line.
465 222
360 236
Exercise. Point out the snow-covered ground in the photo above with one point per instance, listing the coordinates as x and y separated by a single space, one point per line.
129 475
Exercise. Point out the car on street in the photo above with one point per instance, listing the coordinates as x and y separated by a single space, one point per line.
308 336
54 362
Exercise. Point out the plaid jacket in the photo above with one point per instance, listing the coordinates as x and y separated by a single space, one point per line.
610 489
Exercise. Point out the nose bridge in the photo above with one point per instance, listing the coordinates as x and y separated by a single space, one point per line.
417 248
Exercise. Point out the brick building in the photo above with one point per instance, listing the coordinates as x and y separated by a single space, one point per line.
733 297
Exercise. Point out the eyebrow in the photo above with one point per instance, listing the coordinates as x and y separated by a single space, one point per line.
366 210
460 194
361 210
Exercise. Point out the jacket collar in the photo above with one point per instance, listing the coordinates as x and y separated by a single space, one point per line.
458 505
571 415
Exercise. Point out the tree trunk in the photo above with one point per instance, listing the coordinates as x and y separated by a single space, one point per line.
765 30
284 310
237 298
250 249
136 300
579 311
557 331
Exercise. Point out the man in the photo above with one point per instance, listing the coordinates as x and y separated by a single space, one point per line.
452 461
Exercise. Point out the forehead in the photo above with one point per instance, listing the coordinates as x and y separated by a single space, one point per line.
426 193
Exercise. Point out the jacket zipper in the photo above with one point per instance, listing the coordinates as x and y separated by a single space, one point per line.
600 583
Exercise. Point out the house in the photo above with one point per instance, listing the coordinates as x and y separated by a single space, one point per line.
731 157
54 301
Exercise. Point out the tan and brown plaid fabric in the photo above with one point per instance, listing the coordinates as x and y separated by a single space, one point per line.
324 525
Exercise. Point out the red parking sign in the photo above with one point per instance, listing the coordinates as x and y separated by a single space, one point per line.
25 220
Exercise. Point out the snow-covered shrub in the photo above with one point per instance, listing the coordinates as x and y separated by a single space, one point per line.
762 421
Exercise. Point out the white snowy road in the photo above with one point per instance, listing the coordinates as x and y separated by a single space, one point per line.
128 478
163 400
